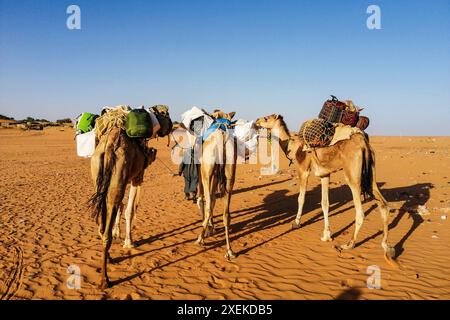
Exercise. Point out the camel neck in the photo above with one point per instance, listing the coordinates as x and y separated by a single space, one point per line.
283 137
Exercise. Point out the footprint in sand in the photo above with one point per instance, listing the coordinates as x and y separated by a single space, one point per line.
228 267
11 273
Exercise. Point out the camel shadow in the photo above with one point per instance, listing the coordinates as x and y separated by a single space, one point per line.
188 227
277 209
349 294
412 197
252 188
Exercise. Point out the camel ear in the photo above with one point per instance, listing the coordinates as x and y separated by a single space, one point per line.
232 114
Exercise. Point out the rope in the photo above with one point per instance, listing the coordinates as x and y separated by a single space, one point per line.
170 170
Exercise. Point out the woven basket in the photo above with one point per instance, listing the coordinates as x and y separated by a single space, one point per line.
317 133
331 111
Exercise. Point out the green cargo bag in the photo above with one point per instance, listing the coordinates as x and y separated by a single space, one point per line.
86 122
139 124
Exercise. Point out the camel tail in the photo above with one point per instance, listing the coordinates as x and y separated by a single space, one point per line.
368 171
221 181
97 202
376 193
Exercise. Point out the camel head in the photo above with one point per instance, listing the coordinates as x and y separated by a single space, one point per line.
219 114
269 122
162 114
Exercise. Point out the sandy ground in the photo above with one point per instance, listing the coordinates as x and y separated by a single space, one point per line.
45 228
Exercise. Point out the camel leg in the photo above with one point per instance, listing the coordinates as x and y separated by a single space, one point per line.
359 217
389 251
107 240
226 212
116 229
211 230
301 198
100 230
208 170
325 207
129 214
96 165
200 196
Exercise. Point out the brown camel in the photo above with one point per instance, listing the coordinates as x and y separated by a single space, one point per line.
118 161
355 156
217 175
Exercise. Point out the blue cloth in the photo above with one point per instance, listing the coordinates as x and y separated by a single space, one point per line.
220 123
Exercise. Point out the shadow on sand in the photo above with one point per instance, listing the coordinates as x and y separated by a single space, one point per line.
279 209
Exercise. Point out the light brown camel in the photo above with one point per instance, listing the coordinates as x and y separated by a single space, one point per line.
118 161
217 175
355 156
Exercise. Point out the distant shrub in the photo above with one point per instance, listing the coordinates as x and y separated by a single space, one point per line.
2 117
65 120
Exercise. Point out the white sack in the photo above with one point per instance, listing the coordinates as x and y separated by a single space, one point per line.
194 113
86 144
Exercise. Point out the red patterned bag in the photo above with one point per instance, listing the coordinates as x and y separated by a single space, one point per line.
363 123
350 118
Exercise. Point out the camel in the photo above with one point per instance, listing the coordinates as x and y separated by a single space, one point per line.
355 156
118 161
217 175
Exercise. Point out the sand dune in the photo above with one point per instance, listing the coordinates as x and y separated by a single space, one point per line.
45 228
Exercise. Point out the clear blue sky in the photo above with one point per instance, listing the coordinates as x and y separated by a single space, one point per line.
255 57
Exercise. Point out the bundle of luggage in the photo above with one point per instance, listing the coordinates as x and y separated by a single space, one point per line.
200 123
137 123
336 111
317 133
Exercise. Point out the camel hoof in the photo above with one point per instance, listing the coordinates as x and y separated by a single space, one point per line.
295 225
347 246
390 252
116 235
326 238
230 255
129 245
200 242
210 231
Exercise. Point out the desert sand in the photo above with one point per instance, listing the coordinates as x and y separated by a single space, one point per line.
45 228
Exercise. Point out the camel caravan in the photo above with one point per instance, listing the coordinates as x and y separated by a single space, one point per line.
212 145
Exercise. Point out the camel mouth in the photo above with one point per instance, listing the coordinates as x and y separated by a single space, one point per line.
258 123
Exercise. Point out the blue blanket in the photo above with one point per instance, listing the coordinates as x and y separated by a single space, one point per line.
220 123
